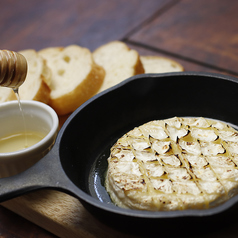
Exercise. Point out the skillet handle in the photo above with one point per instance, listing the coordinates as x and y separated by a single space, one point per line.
46 173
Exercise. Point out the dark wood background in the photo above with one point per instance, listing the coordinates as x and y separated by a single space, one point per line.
201 35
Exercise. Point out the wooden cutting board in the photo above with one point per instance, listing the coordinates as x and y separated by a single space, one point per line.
60 214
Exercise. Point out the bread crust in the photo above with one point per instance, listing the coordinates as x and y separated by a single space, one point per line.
139 68
82 88
43 94
69 102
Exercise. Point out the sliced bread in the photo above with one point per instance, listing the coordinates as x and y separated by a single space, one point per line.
36 85
38 79
75 77
119 61
6 94
158 64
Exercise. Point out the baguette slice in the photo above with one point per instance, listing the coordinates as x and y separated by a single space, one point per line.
119 61
6 94
36 85
75 77
158 64
38 79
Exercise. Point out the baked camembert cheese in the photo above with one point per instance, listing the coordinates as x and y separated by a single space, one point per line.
174 164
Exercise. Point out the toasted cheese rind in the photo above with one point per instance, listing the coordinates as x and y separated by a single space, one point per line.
174 164
75 77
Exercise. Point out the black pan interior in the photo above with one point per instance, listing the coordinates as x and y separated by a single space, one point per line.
94 127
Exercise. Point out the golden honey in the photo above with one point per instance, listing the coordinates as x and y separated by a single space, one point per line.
19 141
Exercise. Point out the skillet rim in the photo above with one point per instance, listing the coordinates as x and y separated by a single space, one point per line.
89 200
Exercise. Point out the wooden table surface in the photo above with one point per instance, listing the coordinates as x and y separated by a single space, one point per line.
201 35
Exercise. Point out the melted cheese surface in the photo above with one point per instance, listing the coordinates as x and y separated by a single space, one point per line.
174 164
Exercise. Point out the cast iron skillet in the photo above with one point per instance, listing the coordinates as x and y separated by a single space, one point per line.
78 161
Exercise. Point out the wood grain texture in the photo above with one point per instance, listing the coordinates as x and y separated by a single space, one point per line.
38 24
200 31
188 65
65 217
13 225
60 214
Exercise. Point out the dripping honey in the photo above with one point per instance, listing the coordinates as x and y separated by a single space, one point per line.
20 140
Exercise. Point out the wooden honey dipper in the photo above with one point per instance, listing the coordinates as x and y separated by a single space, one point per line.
13 69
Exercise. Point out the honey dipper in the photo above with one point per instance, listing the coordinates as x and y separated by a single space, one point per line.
13 69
